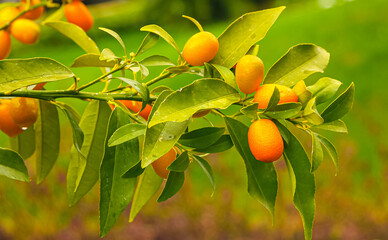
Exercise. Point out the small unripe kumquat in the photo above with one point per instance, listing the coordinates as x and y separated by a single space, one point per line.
249 73
161 164
78 14
25 31
200 48
24 111
264 93
7 124
5 44
265 141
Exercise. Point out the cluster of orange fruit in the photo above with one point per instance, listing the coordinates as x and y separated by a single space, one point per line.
17 114
26 31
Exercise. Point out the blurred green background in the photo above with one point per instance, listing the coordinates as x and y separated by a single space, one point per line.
351 205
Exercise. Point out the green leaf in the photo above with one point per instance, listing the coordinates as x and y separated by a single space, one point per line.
207 169
181 163
242 34
334 126
109 56
324 89
12 165
178 69
134 171
201 94
254 50
126 133
330 149
56 16
304 95
284 111
340 106
116 36
250 111
116 192
78 135
18 73
274 100
47 139
262 178
83 171
24 143
160 138
316 153
91 60
223 143
162 33
297 64
76 34
139 87
156 60
311 113
149 41
201 138
174 183
226 74
148 184
304 191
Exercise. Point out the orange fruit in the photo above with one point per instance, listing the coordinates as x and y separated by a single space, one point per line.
7 124
201 113
33 14
135 106
161 164
78 14
5 47
265 141
24 111
200 48
264 93
7 14
25 31
249 73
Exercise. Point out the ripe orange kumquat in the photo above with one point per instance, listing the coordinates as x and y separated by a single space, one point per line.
249 73
25 31
33 14
264 94
161 164
78 14
24 111
265 141
7 124
5 47
200 48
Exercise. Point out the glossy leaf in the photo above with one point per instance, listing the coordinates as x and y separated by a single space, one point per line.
297 64
340 106
207 169
250 110
242 34
201 94
316 153
330 149
139 87
78 135
156 60
83 171
148 184
274 100
134 171
126 133
149 41
47 136
162 33
109 56
311 113
254 50
181 163
91 60
262 178
76 34
304 191
201 138
284 111
116 192
221 145
334 126
159 139
24 144
226 74
18 73
178 69
174 183
116 36
304 95
12 165
324 89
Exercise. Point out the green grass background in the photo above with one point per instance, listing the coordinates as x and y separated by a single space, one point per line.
351 205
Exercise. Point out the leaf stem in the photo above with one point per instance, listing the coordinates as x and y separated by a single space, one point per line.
158 78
